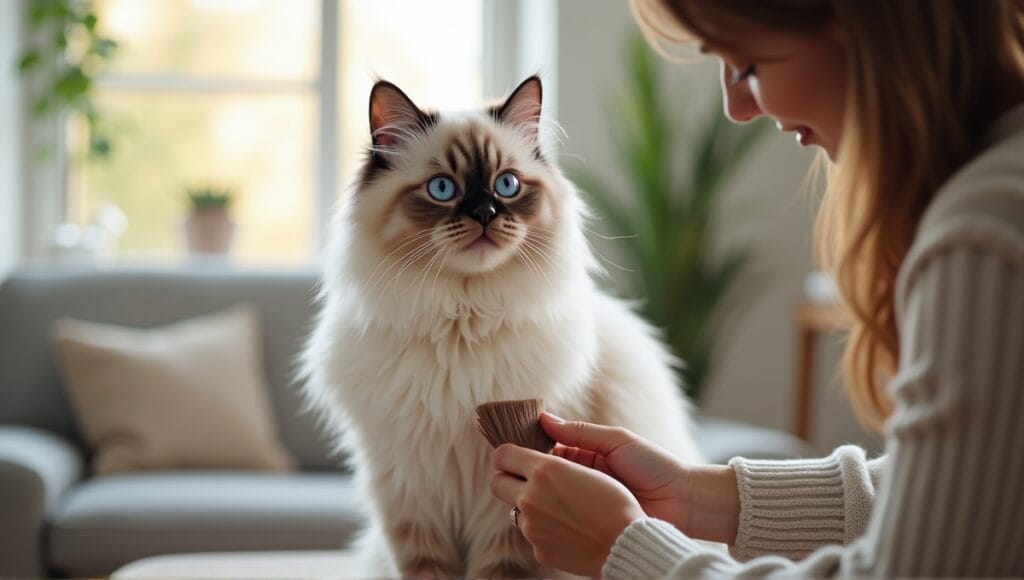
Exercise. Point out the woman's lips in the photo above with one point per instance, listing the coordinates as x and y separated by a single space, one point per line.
804 136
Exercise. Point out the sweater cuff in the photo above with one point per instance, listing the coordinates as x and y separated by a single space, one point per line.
650 548
791 508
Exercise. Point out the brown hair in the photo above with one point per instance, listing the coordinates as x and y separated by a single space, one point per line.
923 82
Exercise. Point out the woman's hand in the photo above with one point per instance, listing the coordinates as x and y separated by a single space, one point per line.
570 514
701 501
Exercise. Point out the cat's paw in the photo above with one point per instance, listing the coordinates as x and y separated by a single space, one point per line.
508 569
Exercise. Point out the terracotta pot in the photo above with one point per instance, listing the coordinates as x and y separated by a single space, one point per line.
209 231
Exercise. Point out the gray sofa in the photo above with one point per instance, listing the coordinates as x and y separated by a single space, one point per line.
57 520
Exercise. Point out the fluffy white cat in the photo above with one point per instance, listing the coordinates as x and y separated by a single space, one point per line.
457 274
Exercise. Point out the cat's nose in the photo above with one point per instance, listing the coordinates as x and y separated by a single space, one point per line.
484 212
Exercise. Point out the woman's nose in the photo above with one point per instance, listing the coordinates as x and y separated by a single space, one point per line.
740 104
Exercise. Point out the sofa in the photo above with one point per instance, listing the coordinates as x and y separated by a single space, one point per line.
58 519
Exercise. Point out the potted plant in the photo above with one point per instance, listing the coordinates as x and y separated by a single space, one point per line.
665 223
209 228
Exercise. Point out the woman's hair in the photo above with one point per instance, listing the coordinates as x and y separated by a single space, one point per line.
924 81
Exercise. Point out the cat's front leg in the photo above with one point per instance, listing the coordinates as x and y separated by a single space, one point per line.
423 550
501 552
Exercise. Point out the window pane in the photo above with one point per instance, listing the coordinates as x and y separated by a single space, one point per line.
256 39
431 50
261 145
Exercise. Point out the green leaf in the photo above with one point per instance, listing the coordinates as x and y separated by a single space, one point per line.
90 22
45 153
103 47
72 84
41 106
99 146
38 13
28 61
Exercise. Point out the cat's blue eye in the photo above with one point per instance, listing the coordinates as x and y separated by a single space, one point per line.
441 188
507 185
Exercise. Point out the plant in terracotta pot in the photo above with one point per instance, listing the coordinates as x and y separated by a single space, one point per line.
209 228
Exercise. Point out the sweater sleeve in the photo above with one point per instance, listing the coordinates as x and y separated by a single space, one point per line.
791 508
949 500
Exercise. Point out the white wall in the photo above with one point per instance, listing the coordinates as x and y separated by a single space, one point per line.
753 382
11 158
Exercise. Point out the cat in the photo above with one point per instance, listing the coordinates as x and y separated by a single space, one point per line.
458 273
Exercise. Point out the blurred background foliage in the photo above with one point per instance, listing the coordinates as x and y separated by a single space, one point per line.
64 53
665 222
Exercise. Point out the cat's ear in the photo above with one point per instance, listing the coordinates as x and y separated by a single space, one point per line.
393 116
522 108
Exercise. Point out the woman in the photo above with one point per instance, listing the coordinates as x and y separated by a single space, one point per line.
919 105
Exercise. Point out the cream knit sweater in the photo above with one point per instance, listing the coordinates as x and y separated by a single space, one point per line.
947 499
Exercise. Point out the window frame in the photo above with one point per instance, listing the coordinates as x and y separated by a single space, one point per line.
507 56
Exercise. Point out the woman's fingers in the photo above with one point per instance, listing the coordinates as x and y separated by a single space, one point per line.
582 457
597 438
517 460
507 488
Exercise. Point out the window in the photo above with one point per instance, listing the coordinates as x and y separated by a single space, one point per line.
267 97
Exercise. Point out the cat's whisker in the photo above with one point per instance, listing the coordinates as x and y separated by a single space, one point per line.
533 266
442 252
433 288
541 253
610 238
540 233
405 242
518 254
553 129
409 262
401 133
410 256
566 155
543 250
525 260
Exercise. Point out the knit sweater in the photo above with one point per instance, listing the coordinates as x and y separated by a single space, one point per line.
947 498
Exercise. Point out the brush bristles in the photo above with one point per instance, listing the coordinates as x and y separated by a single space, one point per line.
516 422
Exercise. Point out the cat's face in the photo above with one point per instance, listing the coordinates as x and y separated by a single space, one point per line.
466 194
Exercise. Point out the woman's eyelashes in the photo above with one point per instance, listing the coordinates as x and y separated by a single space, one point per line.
740 74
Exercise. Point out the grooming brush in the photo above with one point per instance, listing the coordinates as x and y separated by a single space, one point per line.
516 422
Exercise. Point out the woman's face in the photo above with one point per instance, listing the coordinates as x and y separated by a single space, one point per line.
799 80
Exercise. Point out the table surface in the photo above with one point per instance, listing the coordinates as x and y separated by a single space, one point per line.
285 564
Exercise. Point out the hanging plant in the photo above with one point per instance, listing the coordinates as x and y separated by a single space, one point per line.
64 53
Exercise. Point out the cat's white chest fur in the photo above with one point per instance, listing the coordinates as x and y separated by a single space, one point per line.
441 373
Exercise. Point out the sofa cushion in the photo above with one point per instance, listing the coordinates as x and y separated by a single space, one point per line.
109 521
190 394
31 392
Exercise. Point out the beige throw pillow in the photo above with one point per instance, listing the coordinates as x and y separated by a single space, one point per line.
187 395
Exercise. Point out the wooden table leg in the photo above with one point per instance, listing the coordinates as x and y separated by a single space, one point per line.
803 399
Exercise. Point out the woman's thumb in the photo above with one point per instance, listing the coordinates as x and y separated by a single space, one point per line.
589 436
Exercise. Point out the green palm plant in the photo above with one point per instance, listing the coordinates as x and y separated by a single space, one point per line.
665 227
